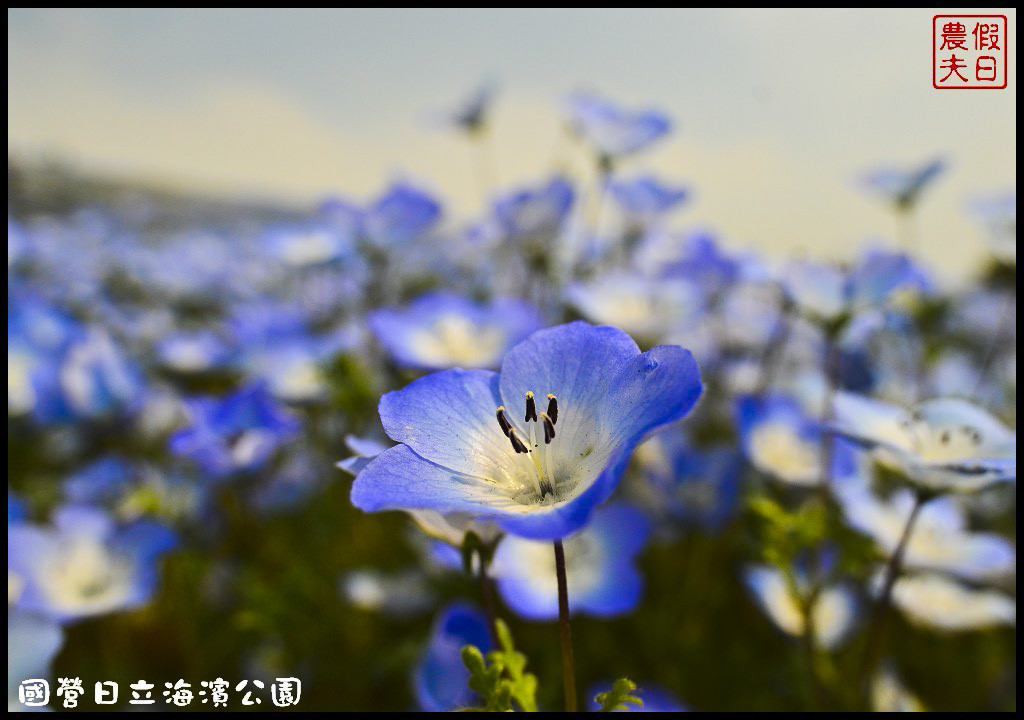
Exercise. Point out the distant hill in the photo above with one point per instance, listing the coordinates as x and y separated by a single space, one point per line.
56 189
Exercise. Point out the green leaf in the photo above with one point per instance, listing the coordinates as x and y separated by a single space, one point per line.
620 697
502 677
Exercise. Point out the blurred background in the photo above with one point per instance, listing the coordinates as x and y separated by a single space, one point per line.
777 112
230 232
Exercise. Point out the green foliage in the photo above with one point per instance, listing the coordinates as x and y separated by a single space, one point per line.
620 697
784 533
504 679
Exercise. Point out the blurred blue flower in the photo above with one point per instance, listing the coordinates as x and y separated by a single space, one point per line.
37 338
939 539
15 507
442 330
826 292
32 644
599 565
85 565
440 680
311 245
936 601
941 445
97 379
399 216
834 613
98 483
601 393
237 433
535 212
614 131
193 352
904 187
780 439
696 486
652 309
645 197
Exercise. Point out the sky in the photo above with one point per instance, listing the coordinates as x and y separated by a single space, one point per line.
777 113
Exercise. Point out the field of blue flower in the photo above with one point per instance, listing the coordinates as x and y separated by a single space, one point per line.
255 453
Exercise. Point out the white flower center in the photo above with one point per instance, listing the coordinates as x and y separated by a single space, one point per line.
777 449
86 577
454 340
942 443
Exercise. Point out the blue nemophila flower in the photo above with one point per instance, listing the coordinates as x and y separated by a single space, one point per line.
612 130
37 339
535 211
100 482
399 216
15 507
537 447
826 292
645 197
904 187
97 379
832 617
32 644
696 486
85 565
941 444
939 540
780 439
442 330
193 352
310 246
652 309
939 602
599 564
450 528
441 680
236 433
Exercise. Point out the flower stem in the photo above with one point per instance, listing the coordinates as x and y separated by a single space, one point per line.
872 646
485 591
568 667
906 231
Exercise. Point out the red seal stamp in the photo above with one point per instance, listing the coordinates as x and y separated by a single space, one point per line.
969 52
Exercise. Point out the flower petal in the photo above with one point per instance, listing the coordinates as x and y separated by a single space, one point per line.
652 390
399 479
871 422
577 362
448 418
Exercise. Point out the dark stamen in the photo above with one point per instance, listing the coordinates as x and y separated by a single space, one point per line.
549 428
531 408
552 408
506 426
518 445
973 434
